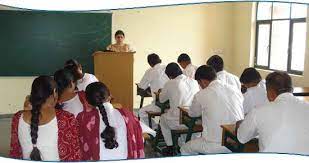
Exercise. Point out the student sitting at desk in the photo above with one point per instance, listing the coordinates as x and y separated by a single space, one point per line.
82 79
282 124
69 100
218 104
155 78
45 133
255 94
185 62
107 133
217 63
179 90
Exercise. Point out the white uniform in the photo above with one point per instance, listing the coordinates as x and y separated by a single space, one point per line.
255 97
218 104
155 78
229 78
281 126
180 92
47 141
85 81
115 120
190 71
73 105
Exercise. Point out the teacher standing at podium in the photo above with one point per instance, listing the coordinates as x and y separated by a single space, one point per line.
119 46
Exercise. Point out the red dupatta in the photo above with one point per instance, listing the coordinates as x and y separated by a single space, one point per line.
68 142
89 122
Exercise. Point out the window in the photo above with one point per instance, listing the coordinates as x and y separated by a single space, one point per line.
281 36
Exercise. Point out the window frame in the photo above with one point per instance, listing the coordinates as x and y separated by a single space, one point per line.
270 21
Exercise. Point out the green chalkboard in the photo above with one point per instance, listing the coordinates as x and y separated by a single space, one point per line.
36 43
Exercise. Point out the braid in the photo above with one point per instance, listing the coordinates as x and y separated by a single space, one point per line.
108 135
34 127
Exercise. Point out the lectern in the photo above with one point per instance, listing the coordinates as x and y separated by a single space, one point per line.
115 69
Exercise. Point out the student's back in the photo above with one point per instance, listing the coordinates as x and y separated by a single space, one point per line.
282 125
255 97
229 78
221 104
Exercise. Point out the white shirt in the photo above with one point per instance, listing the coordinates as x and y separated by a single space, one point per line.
155 78
85 81
47 141
73 105
255 97
282 126
190 71
229 78
115 120
180 92
218 104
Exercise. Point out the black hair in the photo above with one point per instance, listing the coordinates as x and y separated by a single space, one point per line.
96 94
72 65
250 75
119 32
42 88
216 62
173 70
205 72
280 82
153 59
63 78
184 58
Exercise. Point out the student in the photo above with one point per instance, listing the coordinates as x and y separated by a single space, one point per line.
82 79
179 90
69 99
217 63
218 104
282 124
185 62
155 78
42 132
119 46
107 133
255 94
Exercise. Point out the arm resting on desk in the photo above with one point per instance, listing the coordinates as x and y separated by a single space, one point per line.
196 108
248 128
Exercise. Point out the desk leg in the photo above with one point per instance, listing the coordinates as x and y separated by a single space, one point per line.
142 102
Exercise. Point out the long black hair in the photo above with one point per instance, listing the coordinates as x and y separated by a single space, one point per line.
42 88
63 78
96 94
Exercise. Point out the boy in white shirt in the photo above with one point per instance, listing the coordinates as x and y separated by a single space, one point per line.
218 104
179 90
155 78
82 79
185 62
217 63
255 87
281 125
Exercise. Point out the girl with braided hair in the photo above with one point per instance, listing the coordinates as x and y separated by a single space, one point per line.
107 133
42 132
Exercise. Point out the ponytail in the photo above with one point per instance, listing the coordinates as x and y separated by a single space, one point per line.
34 127
108 135
96 94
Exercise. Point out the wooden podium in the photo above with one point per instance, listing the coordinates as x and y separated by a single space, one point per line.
115 69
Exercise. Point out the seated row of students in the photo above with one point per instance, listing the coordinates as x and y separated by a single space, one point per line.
220 102
50 131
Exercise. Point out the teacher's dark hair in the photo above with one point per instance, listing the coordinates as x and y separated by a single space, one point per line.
42 88
119 32
96 94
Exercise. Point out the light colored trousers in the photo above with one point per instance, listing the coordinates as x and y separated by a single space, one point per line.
201 146
144 116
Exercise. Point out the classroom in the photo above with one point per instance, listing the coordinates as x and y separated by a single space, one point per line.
235 31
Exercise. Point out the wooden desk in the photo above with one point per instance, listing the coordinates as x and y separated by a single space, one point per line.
190 122
143 93
229 140
301 91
